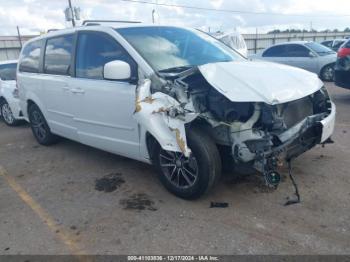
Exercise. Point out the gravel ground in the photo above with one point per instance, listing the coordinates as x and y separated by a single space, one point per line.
70 198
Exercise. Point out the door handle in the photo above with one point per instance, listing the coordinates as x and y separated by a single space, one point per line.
77 91
65 88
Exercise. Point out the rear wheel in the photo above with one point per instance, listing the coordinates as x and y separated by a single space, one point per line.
7 114
39 126
327 73
189 177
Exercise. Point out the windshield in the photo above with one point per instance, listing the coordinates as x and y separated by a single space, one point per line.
8 72
166 48
319 49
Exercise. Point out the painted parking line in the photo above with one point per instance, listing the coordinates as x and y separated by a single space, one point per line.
45 217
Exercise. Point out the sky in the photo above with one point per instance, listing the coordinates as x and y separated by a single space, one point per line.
34 16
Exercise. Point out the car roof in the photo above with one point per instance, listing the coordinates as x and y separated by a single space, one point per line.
294 42
8 62
71 30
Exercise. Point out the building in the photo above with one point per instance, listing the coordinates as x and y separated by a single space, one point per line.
10 46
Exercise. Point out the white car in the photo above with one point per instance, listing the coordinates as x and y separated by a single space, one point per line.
9 101
310 56
171 96
334 44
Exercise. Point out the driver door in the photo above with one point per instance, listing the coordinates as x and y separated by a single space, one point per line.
103 109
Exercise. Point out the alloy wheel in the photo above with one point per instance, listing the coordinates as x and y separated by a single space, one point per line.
180 171
38 125
328 73
7 114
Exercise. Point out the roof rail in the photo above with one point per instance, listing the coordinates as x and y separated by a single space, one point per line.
52 30
97 22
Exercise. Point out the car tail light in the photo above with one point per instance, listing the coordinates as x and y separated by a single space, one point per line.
343 52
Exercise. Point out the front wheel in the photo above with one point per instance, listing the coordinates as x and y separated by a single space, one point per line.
7 114
191 177
327 73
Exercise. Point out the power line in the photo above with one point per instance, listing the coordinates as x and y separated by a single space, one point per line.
232 11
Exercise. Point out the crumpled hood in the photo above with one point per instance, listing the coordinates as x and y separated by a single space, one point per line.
271 83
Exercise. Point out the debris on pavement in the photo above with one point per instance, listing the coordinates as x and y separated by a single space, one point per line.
218 205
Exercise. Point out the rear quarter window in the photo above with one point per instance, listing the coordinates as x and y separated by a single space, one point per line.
30 58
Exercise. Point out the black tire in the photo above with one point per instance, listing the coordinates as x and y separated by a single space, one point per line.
327 73
9 119
39 126
208 163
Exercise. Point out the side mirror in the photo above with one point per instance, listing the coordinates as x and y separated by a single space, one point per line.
117 70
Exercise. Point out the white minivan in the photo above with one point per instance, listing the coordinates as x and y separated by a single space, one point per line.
171 96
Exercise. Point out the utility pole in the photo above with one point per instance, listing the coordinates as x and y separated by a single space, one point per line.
71 9
19 37
153 13
71 13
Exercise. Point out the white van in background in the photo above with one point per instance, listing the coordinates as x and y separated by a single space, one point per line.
234 40
9 103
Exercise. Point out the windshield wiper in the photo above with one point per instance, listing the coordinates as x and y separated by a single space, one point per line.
176 69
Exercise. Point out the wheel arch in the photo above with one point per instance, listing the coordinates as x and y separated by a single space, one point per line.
151 141
29 103
323 67
2 98
32 99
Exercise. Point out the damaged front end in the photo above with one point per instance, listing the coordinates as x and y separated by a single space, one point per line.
253 133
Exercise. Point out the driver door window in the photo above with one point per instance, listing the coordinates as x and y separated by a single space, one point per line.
94 51
297 51
299 56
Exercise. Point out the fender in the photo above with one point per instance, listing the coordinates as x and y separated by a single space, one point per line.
33 97
163 117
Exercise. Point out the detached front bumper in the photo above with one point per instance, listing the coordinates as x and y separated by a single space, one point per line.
328 124
313 130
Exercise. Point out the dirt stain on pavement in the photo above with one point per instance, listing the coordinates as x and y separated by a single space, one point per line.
322 158
109 183
138 202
